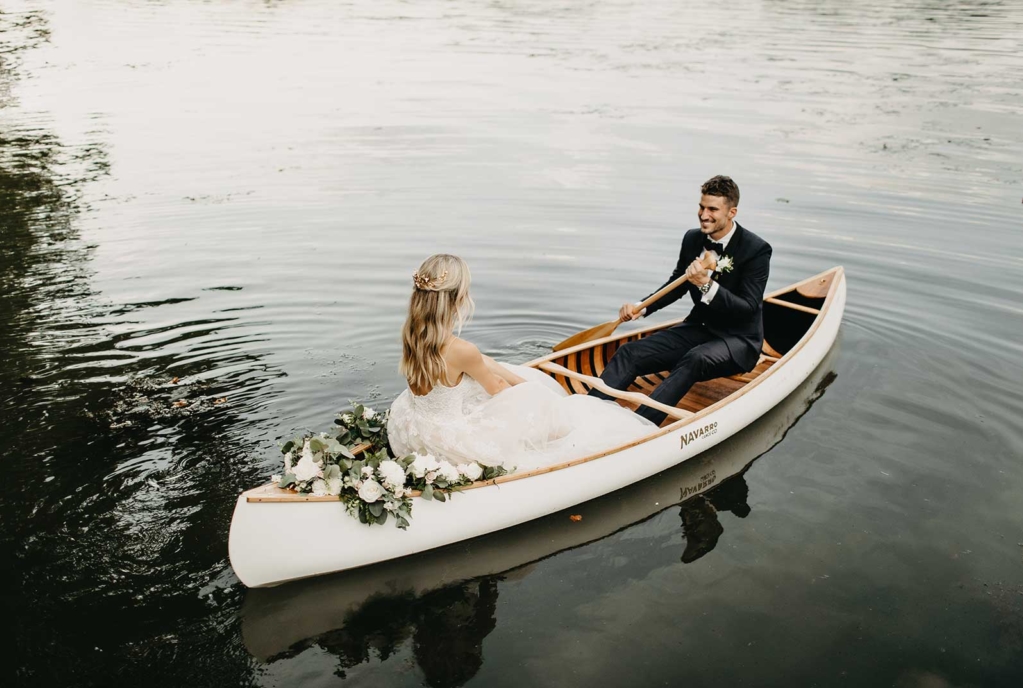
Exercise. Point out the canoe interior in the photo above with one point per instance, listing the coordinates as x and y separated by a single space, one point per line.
788 316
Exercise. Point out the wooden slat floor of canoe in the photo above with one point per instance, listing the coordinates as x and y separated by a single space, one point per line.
702 394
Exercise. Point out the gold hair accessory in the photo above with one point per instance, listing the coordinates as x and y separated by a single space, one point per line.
428 283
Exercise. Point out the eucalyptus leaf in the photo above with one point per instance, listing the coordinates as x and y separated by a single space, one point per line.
428 492
331 472
382 518
345 451
376 508
286 480
440 496
288 446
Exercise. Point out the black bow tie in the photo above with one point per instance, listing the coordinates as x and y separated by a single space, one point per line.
714 246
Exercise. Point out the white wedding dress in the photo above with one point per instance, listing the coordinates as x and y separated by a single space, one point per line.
532 424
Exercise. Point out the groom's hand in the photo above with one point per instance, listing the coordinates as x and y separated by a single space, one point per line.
628 312
697 274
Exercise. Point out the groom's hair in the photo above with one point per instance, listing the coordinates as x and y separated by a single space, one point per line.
721 186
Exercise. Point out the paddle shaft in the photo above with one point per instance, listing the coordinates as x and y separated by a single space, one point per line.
707 262
606 329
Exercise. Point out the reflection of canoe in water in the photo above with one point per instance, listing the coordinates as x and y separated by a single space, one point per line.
277 536
277 619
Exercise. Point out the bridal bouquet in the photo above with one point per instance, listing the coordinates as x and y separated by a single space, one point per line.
375 485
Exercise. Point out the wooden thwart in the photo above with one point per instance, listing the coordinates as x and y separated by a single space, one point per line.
616 393
789 304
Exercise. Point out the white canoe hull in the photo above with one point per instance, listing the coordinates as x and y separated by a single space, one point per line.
275 619
271 542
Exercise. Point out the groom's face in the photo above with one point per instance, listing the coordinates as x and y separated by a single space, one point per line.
715 214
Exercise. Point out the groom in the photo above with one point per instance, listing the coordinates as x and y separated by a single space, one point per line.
724 332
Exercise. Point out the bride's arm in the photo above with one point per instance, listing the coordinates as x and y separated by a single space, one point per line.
464 357
499 370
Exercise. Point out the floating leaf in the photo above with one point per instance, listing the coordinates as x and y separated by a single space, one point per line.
180 403
221 400
575 517
175 381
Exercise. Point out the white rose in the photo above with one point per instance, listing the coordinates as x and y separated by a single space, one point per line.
392 473
370 491
448 472
307 468
367 471
319 488
422 464
368 413
472 471
334 486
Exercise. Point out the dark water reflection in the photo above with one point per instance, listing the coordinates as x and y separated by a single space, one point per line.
234 194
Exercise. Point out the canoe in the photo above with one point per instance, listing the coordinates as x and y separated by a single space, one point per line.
286 618
278 536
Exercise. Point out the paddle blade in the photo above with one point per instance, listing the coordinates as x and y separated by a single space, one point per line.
597 332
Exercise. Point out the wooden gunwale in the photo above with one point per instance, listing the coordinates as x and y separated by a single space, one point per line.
835 275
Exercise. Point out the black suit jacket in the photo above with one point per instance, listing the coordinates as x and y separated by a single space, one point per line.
736 312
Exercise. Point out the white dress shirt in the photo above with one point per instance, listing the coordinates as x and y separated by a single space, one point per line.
712 292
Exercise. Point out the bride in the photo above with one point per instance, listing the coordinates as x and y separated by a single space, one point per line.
462 406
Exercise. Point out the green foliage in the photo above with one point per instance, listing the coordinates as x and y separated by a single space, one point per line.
345 473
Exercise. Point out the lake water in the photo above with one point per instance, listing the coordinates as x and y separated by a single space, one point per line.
235 194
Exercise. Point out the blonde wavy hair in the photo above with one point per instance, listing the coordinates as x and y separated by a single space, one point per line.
440 305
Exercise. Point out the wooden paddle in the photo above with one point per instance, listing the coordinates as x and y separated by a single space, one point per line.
605 329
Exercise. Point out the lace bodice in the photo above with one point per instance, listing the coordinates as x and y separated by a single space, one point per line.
441 401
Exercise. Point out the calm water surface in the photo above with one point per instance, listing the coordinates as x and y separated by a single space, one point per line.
235 194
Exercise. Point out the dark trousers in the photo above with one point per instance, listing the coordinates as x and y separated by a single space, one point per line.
689 351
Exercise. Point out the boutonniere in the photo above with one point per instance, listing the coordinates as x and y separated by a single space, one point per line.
724 265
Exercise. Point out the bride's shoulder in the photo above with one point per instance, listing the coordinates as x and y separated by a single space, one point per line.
460 350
